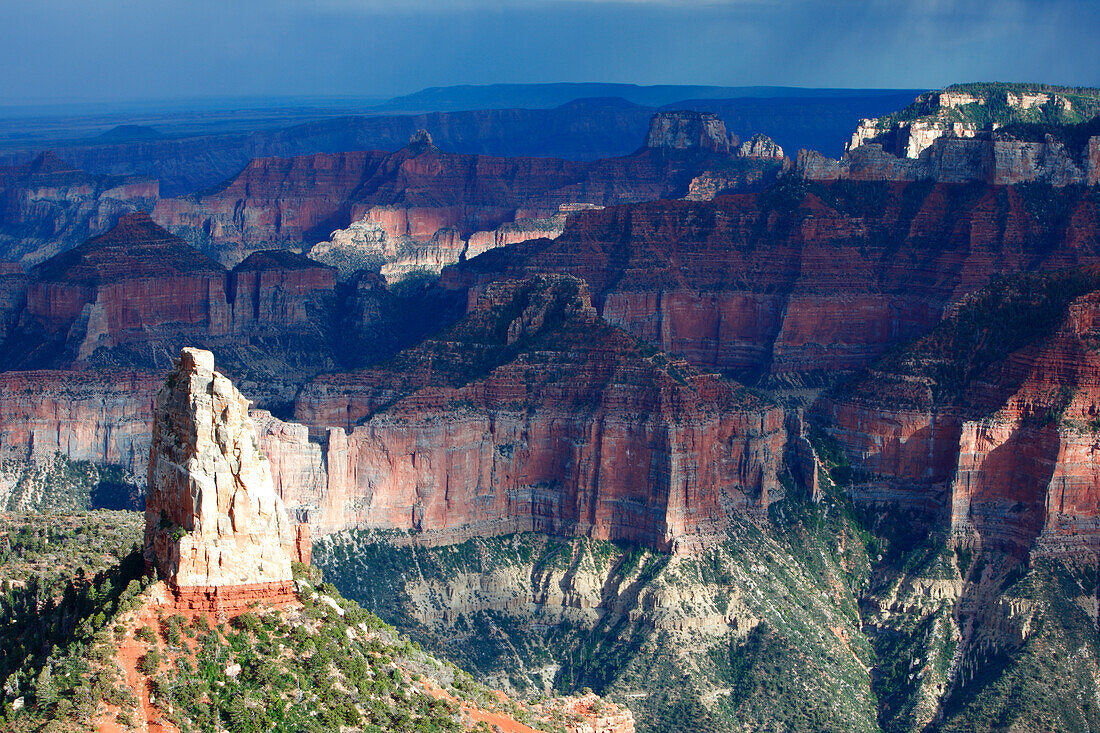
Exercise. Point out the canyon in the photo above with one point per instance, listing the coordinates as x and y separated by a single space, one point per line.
806 277
421 195
594 125
989 426
657 425
47 205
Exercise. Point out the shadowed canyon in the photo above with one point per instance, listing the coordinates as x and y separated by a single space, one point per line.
701 432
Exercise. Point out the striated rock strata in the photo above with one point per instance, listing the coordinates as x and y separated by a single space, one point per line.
531 414
423 198
991 421
805 276
995 133
215 529
374 242
46 206
137 283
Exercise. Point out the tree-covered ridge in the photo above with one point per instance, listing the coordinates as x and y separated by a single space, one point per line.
936 369
999 104
83 629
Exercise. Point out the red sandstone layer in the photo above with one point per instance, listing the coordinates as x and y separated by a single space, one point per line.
563 425
416 192
803 277
1011 459
231 598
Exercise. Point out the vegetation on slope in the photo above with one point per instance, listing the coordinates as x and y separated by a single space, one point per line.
760 630
62 484
994 107
76 602
1010 314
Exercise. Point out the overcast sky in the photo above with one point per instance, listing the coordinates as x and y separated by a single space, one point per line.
107 50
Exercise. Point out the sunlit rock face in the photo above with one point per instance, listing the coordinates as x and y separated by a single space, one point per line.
688 129
215 528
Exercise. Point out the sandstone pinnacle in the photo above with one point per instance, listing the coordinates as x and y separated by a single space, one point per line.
214 525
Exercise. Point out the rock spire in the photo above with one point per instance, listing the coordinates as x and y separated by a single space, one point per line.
215 529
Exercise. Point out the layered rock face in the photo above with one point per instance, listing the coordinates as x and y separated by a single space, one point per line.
993 158
214 527
998 134
133 278
421 196
100 417
994 428
531 414
137 284
373 242
47 206
689 129
274 290
804 277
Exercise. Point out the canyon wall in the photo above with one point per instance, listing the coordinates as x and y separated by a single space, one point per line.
1006 457
547 420
804 277
986 157
137 283
529 414
99 417
46 206
996 133
420 195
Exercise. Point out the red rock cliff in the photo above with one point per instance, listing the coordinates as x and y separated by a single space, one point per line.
803 277
138 284
531 414
994 426
417 193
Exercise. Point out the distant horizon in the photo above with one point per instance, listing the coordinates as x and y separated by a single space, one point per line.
270 100
70 52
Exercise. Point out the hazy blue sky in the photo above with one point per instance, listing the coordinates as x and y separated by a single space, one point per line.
73 50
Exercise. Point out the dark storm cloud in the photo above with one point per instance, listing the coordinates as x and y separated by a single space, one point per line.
75 49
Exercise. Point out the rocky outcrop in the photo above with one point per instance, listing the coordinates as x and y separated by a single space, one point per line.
760 146
801 278
137 284
993 158
215 529
47 206
531 414
589 713
996 133
370 244
425 202
689 129
989 427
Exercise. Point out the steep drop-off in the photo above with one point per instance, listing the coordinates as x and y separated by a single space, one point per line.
803 277
531 413
990 421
